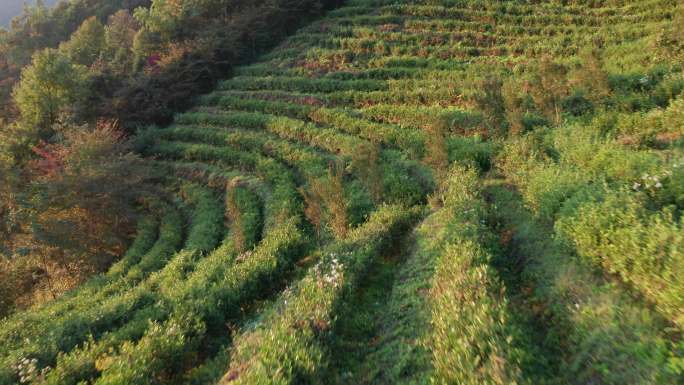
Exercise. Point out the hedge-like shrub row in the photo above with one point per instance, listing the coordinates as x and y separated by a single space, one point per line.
287 347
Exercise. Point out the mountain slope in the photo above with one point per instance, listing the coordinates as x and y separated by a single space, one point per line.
399 193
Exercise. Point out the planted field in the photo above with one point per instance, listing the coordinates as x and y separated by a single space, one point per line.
404 192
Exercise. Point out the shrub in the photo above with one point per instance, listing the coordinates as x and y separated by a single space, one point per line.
513 105
328 193
491 102
436 151
365 162
644 248
590 77
590 320
577 104
548 87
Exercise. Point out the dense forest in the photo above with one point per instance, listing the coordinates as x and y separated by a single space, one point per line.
342 192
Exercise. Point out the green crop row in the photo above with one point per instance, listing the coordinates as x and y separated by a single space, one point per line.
522 15
255 105
300 84
43 337
404 180
307 161
185 280
207 300
458 121
206 228
244 210
409 140
206 224
406 139
166 346
87 362
287 346
448 320
471 338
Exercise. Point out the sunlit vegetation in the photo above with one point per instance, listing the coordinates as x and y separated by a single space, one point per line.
400 192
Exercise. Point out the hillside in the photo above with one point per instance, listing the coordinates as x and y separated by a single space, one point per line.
404 192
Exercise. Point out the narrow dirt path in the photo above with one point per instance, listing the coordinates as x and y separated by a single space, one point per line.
519 235
363 321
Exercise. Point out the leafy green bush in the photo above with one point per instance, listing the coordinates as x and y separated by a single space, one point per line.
624 238
590 321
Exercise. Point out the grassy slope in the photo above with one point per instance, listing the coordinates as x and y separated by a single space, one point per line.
502 282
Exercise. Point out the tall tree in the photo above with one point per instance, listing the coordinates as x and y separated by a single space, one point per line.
48 87
86 44
119 36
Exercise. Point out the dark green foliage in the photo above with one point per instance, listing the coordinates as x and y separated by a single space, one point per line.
39 27
244 211
577 104
222 34
492 104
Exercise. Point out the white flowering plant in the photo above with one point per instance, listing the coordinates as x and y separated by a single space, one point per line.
664 188
27 369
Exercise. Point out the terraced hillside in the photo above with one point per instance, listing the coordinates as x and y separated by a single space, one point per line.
404 192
